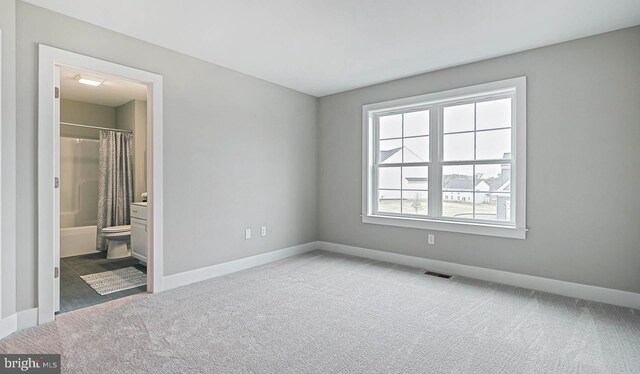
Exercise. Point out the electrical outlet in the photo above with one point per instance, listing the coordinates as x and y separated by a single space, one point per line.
263 231
431 239
247 234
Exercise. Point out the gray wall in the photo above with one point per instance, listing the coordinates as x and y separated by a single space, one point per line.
85 114
125 115
582 188
133 116
140 150
8 148
238 151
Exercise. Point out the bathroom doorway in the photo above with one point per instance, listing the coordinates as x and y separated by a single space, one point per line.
100 221
103 148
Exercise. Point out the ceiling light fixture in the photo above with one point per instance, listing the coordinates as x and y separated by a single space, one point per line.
89 81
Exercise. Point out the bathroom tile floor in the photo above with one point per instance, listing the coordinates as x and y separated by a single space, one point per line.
76 293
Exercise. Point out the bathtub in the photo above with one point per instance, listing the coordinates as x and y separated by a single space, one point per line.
78 240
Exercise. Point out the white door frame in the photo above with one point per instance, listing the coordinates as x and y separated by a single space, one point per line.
48 138
1 252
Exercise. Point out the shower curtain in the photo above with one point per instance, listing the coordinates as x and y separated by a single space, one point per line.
115 182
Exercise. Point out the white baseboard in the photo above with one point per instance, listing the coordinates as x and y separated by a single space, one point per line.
197 275
27 318
580 291
18 321
8 326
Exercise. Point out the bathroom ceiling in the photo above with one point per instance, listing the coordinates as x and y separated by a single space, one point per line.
324 47
112 92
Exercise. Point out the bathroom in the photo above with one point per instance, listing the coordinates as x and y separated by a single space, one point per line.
103 189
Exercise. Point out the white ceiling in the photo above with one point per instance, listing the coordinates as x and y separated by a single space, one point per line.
327 46
112 92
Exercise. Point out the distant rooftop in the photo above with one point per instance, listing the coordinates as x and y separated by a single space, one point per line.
385 155
416 179
459 184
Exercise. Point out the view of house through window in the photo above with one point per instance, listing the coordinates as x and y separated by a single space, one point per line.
476 160
449 160
483 194
402 163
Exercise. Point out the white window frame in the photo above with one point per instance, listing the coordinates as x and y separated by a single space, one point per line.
516 228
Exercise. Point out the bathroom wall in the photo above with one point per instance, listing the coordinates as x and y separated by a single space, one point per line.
133 116
85 114
79 161
239 152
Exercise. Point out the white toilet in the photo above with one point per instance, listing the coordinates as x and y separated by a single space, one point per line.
117 239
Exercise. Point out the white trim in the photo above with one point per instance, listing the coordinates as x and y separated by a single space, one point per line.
27 318
460 227
8 326
576 290
462 93
1 237
516 229
18 321
197 275
48 233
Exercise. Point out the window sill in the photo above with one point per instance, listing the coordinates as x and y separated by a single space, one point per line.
439 225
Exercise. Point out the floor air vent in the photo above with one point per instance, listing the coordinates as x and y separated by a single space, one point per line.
434 274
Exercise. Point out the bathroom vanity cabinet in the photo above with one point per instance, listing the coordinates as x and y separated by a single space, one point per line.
139 245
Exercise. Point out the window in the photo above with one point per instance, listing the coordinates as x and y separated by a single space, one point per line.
452 161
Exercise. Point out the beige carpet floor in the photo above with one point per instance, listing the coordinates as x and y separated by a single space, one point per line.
327 313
